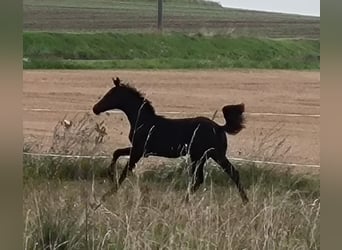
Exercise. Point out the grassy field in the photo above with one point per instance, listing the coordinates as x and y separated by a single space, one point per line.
111 34
156 51
187 16
149 211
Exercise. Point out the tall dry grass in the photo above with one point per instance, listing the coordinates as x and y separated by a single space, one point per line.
59 216
148 211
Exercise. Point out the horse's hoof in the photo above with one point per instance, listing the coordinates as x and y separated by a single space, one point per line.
111 176
95 206
186 199
245 200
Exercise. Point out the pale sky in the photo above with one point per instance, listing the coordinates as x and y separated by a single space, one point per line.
303 7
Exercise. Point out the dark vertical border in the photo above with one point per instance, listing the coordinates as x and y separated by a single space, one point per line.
11 219
331 124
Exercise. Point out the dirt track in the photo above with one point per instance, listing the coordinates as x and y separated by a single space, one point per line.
191 93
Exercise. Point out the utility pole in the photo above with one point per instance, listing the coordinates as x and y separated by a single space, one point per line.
160 15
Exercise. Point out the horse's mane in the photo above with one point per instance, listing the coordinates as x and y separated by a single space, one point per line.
139 95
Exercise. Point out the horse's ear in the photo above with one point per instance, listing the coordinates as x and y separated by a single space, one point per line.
116 81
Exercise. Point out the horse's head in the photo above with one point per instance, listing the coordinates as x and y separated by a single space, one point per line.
113 99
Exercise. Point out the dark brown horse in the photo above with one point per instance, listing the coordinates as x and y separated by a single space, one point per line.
152 134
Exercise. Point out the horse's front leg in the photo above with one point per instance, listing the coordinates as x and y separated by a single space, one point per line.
112 169
136 154
117 153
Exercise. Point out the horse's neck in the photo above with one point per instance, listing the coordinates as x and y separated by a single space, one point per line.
138 113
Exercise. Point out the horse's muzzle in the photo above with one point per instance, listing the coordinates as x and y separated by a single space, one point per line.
95 110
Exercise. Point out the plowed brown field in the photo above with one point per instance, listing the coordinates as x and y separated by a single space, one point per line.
51 94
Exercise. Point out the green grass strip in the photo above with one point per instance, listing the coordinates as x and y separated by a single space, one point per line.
45 50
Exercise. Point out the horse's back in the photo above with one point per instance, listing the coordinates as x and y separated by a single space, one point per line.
187 127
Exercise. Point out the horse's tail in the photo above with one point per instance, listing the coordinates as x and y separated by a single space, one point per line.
233 114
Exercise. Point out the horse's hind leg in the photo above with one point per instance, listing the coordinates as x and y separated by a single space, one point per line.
117 153
233 173
197 174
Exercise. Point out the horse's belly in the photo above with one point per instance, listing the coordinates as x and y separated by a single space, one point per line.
166 151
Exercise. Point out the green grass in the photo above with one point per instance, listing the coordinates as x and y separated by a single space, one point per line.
165 175
169 51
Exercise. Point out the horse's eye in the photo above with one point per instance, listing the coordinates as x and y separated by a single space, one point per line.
99 98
